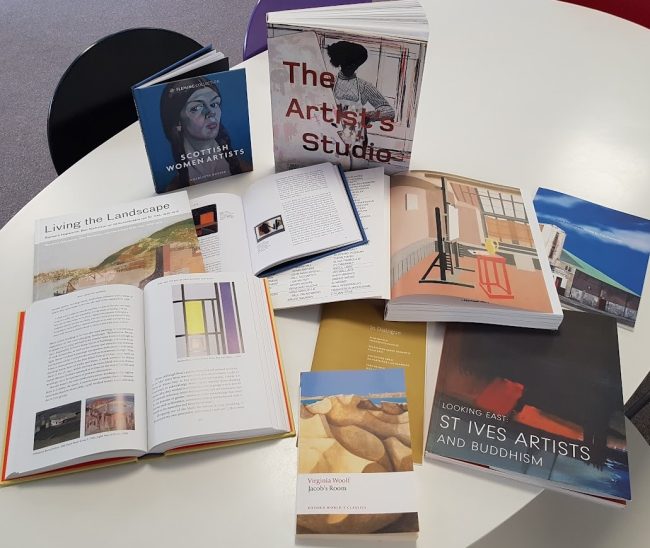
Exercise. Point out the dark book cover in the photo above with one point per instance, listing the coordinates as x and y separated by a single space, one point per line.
541 406
196 129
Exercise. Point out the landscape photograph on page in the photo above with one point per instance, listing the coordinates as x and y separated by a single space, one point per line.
129 244
599 256
354 445
457 237
342 97
541 406
110 412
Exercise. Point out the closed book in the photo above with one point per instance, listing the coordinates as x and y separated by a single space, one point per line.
355 466
543 407
345 84
194 121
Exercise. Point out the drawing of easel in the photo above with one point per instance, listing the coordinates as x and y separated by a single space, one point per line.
447 258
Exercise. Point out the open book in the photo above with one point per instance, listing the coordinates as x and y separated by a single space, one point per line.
356 273
130 243
115 372
467 251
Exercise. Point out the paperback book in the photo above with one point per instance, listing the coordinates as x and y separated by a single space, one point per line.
354 335
468 251
599 256
345 84
355 467
224 227
194 121
112 373
131 243
544 407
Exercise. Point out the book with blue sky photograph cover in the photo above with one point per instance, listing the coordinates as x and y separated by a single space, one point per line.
598 255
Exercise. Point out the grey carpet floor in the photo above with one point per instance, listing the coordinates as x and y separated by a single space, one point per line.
38 41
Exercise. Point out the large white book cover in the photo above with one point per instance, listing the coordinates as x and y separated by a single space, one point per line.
345 84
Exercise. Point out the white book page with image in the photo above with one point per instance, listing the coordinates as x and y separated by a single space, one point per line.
208 359
298 213
80 390
221 228
362 272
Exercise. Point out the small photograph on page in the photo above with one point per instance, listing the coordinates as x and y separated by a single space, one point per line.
110 412
269 227
205 220
206 319
57 425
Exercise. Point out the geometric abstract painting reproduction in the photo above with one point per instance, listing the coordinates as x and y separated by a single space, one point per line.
206 319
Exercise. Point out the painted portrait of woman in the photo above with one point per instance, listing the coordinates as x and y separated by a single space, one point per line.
191 115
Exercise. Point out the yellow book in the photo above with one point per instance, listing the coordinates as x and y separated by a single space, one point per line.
354 335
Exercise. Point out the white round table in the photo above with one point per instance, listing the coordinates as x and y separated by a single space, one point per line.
527 94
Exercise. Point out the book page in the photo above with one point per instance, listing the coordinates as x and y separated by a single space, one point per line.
211 360
119 244
221 229
80 386
358 273
298 213
460 238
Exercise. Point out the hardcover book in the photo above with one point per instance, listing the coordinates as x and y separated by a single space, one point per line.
599 256
544 407
345 84
355 467
354 335
285 220
194 120
468 251
131 243
225 231
112 373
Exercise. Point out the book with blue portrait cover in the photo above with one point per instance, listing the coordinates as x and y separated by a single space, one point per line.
194 121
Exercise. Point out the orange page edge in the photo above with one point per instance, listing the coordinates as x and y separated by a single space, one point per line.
12 398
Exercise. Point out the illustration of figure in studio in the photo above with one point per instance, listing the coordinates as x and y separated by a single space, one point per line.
353 94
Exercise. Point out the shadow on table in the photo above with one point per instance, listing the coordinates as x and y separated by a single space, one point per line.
556 519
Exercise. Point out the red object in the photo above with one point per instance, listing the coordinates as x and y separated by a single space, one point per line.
500 396
12 398
637 11
532 416
206 218
493 276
